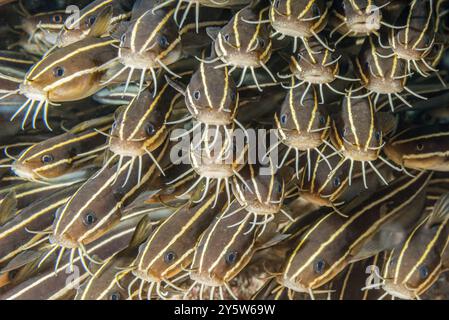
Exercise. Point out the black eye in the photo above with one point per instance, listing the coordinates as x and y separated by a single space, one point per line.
284 119
197 95
231 258
315 10
163 42
47 158
276 3
279 188
150 130
57 19
423 272
227 37
337 182
319 265
123 39
322 120
419 147
262 42
89 219
169 257
115 296
58 72
378 135
114 125
91 20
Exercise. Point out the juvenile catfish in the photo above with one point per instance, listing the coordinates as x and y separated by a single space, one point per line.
335 241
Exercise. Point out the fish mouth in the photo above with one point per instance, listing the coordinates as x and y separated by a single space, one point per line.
213 117
303 141
360 155
147 276
23 171
207 280
32 92
291 284
126 148
318 75
385 85
219 171
399 291
316 199
293 27
137 60
63 241
364 23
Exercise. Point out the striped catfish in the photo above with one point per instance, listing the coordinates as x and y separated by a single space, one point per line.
170 248
23 230
314 64
61 156
112 278
421 148
358 18
141 127
97 205
358 132
415 40
300 19
245 43
62 282
382 72
156 50
211 96
66 74
302 124
350 284
334 241
415 265
260 193
98 18
224 249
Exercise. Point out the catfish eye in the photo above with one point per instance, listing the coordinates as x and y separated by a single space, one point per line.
276 4
57 18
315 10
114 125
89 219
337 182
318 266
150 130
378 135
231 257
163 42
47 158
279 187
284 119
169 257
115 296
227 37
322 120
197 95
419 147
91 20
58 72
262 42
423 272
123 39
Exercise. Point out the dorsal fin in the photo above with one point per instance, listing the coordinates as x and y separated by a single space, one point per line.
8 207
440 211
